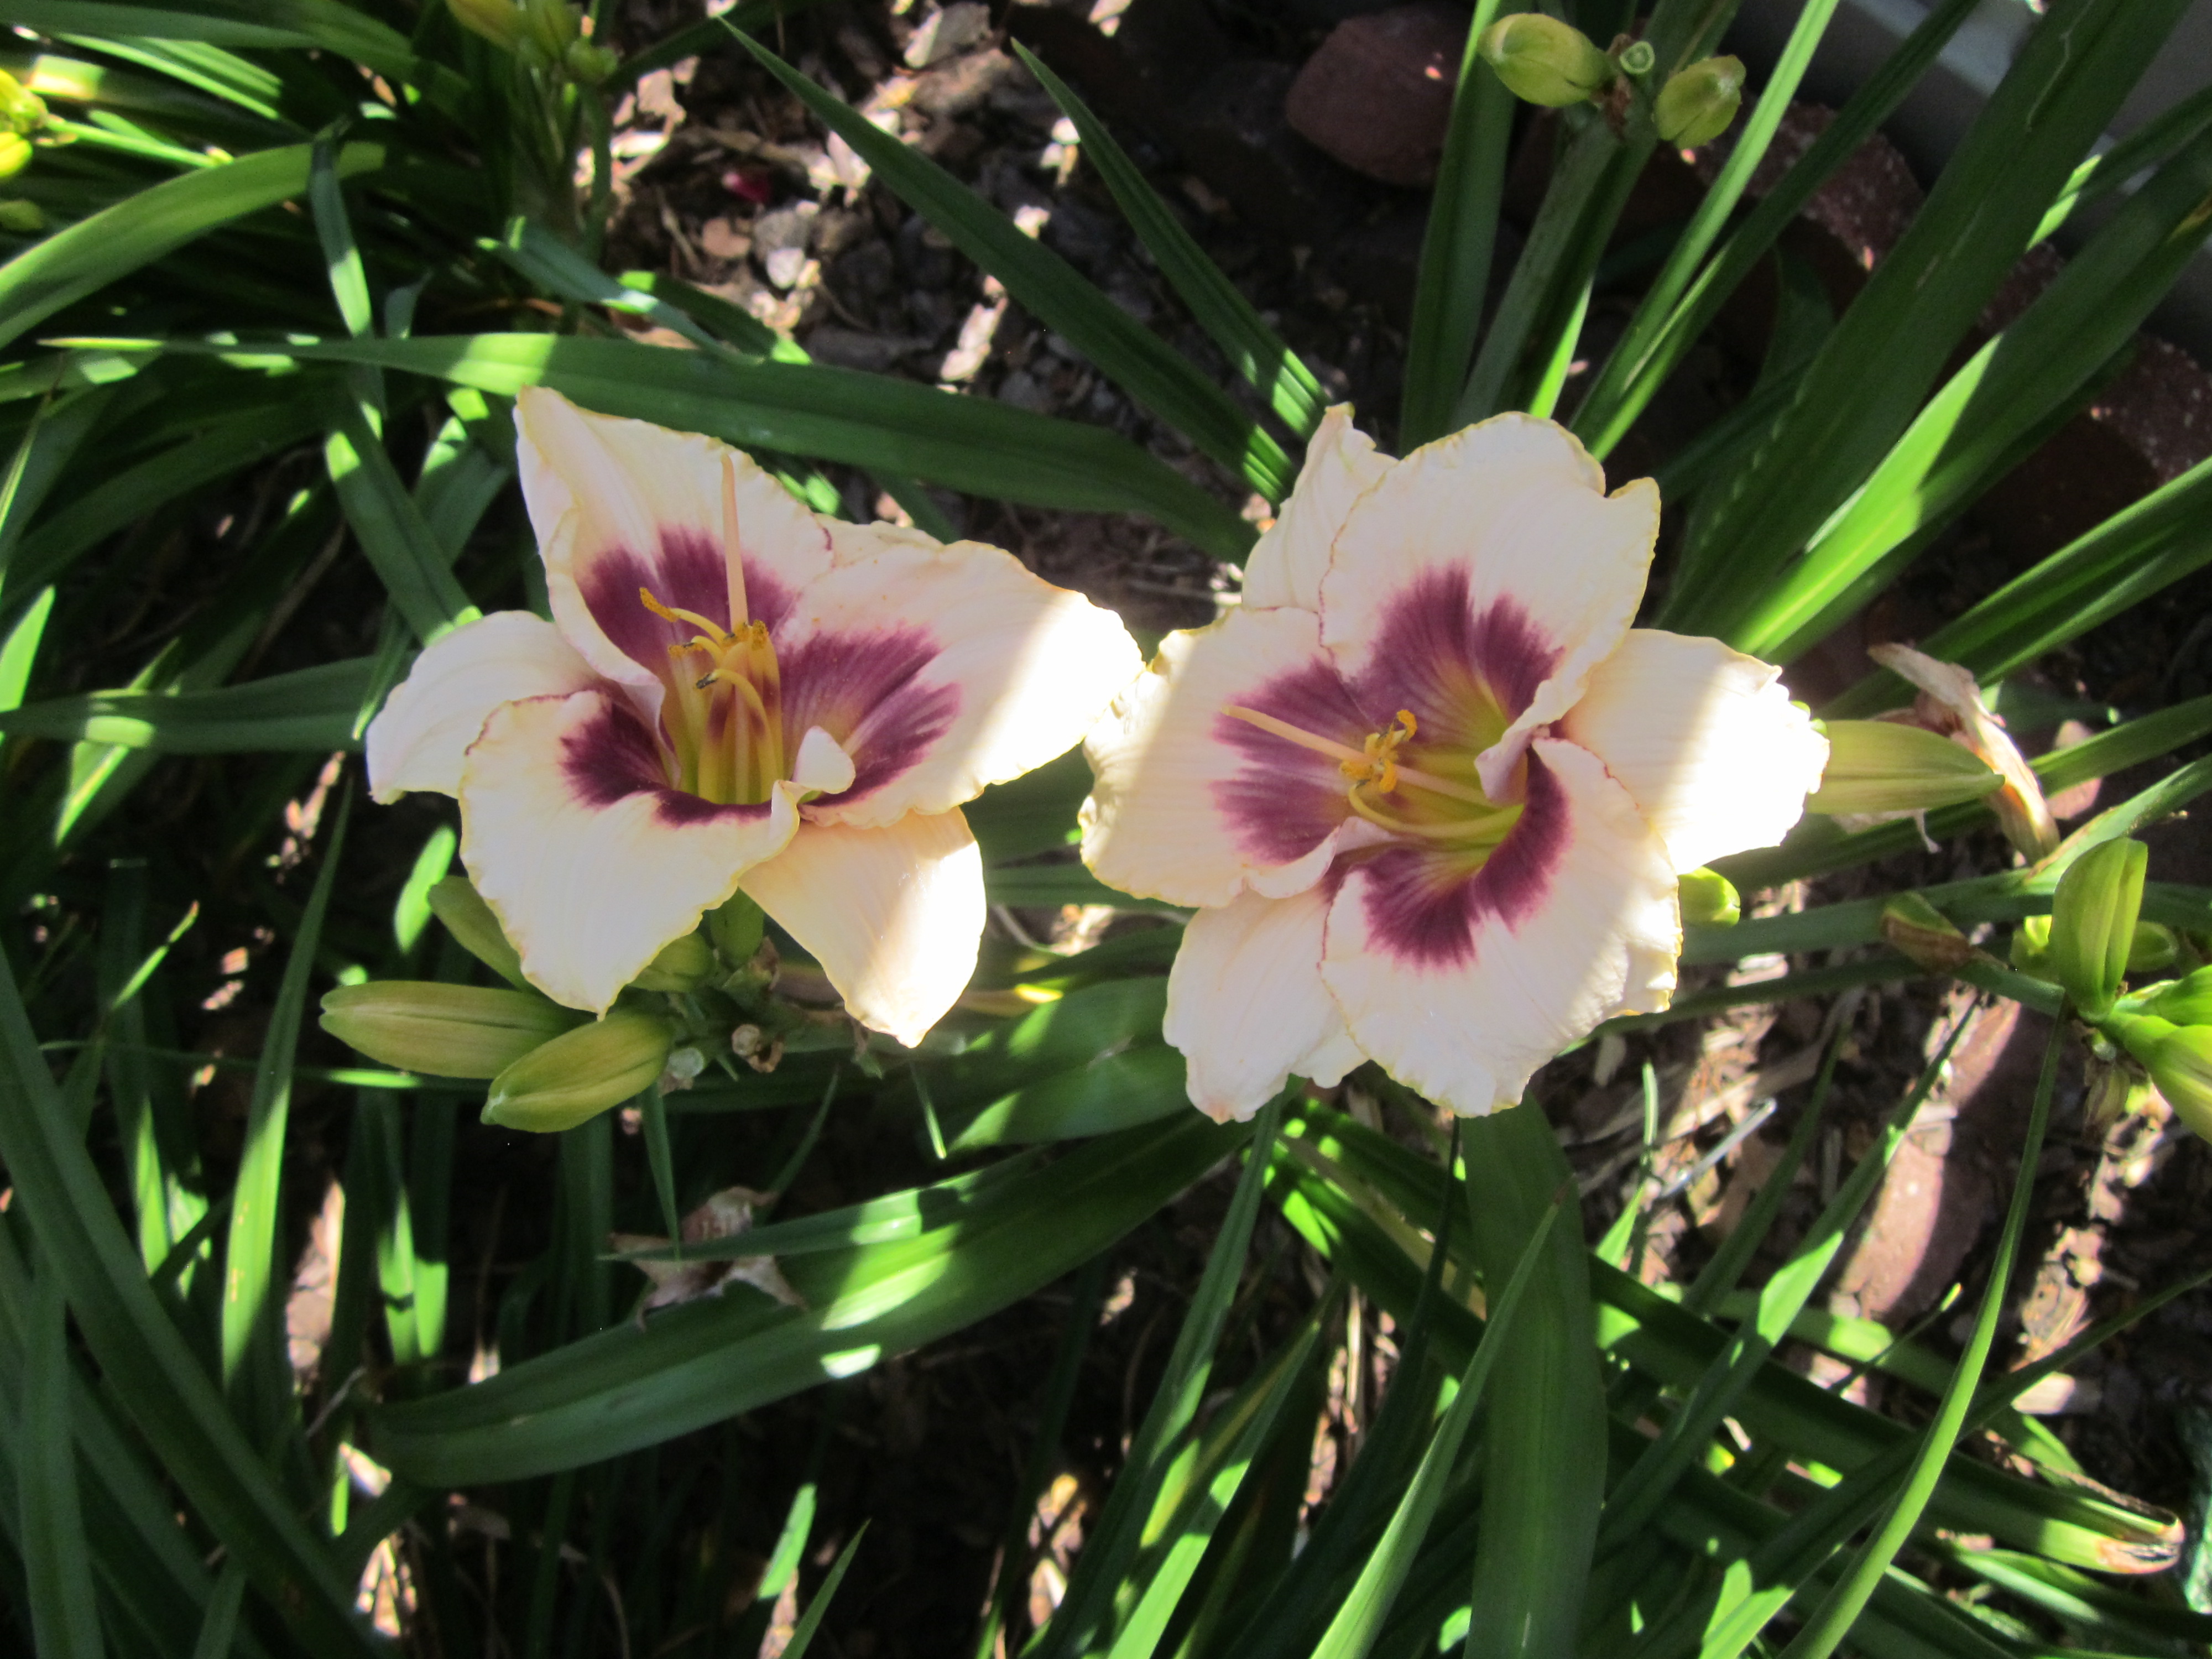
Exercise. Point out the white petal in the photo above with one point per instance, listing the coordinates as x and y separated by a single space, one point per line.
620 505
1462 991
1286 564
1705 739
590 862
431 716
1190 805
1247 1006
1494 551
892 914
821 765
942 669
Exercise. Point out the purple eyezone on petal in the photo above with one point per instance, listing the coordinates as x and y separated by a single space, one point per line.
689 573
861 688
612 756
1425 907
1437 656
1283 801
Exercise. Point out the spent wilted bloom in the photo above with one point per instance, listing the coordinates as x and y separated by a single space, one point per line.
736 693
1429 790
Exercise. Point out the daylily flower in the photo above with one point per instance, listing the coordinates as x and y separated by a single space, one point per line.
737 694
1431 790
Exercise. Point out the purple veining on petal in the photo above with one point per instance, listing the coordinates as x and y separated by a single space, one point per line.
610 755
687 574
1423 907
1433 654
861 688
1283 799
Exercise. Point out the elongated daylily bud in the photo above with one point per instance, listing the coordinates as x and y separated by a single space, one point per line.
14 154
581 1073
2179 1061
498 22
24 218
1917 929
469 921
736 928
1697 103
1709 899
446 1030
2030 946
2154 946
2185 1001
1882 766
684 964
21 110
1544 61
2092 923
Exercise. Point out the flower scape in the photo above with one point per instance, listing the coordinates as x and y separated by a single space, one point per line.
1429 789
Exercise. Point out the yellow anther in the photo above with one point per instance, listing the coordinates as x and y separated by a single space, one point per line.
715 636
1405 719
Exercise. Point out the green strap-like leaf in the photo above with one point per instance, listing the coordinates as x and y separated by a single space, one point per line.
414 566
1134 358
310 708
72 263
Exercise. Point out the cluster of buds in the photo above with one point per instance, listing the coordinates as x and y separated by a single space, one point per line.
546 35
23 113
1542 60
550 1067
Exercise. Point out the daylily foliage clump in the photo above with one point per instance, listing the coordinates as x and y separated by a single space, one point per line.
737 694
1429 789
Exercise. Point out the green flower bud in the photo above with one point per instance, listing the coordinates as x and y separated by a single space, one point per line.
445 1030
1916 929
457 904
23 218
684 964
1697 103
1884 766
2030 946
2092 923
1708 900
2185 1002
1545 61
2179 1061
580 1073
498 22
14 154
587 64
551 26
2154 946
21 110
736 929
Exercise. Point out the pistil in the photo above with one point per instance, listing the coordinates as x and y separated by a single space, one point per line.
724 727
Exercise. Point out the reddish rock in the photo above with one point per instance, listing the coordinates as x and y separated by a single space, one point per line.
1377 95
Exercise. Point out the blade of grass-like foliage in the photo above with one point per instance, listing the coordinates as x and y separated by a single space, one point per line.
90 254
2138 552
751 17
1456 243
1544 1451
341 254
222 448
219 1624
1630 377
1821 847
1254 350
1246 1425
1058 1397
1113 1545
310 708
1562 229
802 1634
2148 146
144 1360
57 428
2018 382
415 569
56 1554
249 1250
698 1363
1351 1633
1648 1482
1045 285
972 444
2069 76
2082 1603
1674 1347
98 17
20 649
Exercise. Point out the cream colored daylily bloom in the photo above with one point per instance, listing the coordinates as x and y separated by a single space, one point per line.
735 693
1429 790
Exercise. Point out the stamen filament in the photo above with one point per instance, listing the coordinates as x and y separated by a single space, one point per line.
1298 735
1476 828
